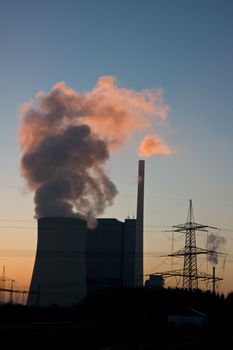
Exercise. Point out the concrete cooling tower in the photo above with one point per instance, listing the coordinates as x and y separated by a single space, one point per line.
59 275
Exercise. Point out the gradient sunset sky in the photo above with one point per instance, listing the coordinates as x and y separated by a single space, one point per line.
181 48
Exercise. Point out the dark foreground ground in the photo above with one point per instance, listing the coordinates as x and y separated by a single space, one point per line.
76 336
120 320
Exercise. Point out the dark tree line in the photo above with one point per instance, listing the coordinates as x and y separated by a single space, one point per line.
139 306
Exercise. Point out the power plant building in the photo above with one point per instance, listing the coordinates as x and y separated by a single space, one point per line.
110 254
73 261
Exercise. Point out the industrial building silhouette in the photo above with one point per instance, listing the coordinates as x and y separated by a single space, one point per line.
73 261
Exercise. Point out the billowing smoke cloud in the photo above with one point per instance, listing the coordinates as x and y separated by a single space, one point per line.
153 145
65 170
66 136
214 243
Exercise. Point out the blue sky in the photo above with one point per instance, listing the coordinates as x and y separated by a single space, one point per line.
184 47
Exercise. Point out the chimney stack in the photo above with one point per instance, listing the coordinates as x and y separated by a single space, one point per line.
139 226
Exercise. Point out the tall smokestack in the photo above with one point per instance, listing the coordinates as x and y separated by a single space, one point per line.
139 226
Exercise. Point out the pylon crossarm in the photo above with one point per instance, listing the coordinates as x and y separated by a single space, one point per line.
207 276
194 251
190 226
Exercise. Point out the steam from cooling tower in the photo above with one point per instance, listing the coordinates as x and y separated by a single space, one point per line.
214 243
65 169
66 138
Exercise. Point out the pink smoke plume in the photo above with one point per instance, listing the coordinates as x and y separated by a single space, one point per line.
153 145
66 136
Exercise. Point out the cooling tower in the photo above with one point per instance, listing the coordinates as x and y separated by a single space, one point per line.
139 226
59 276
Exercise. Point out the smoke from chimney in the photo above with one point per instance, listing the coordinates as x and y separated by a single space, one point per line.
66 138
153 146
214 243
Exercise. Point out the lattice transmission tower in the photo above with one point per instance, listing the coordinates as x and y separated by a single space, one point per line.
190 251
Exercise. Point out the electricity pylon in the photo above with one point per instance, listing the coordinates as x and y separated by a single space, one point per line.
190 251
